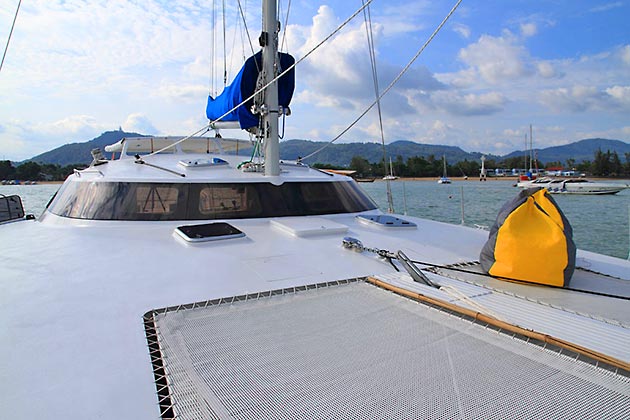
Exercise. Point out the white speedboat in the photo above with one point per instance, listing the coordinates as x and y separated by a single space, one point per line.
532 183
189 283
584 186
575 186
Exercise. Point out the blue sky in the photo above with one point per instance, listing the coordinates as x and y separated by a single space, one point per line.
77 68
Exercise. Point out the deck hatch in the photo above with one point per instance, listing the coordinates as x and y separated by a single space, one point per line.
208 232
353 350
385 221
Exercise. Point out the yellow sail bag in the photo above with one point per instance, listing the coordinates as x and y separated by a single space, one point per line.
531 241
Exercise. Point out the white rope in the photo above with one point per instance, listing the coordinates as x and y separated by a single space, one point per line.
207 127
459 295
404 70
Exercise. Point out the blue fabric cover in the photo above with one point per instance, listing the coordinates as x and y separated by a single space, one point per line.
244 85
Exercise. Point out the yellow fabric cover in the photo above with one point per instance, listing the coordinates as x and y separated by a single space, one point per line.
531 245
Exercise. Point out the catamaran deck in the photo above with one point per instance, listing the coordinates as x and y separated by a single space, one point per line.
352 350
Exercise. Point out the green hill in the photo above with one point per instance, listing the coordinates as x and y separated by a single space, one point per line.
80 152
582 150
341 154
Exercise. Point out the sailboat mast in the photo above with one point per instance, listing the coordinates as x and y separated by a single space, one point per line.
531 149
269 43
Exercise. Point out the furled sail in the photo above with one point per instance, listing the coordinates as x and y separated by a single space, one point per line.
244 85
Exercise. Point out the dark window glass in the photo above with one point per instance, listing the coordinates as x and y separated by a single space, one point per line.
158 201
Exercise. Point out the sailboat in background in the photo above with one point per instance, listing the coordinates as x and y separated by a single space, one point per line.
530 174
444 179
391 176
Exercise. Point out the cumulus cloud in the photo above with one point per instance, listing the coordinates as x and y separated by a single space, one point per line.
620 95
139 123
339 74
470 104
573 99
496 59
584 98
25 139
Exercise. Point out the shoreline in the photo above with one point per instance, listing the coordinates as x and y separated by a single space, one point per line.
489 179
425 179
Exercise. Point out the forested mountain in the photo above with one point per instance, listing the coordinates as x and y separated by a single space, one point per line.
341 154
579 151
80 152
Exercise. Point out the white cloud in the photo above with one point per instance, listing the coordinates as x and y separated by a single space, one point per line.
139 123
509 132
528 29
25 139
579 98
181 93
621 95
546 69
625 54
470 104
339 75
496 59
606 7
575 99
462 30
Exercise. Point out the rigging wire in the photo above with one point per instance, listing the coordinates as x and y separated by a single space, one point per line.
224 51
6 48
284 28
262 88
370 38
388 88
249 38
211 88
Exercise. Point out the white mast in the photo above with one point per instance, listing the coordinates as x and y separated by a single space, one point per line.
531 149
269 42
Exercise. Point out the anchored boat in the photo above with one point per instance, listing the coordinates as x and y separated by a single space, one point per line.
179 280
580 186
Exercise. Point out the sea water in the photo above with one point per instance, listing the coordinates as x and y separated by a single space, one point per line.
600 222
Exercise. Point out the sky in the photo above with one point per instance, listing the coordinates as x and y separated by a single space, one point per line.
77 68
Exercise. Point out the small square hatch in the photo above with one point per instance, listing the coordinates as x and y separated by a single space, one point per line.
208 232
385 221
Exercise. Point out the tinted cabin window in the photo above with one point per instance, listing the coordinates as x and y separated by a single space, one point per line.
158 201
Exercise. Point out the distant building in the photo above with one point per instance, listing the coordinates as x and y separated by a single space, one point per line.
554 171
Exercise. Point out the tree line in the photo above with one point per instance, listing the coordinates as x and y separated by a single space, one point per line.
33 171
604 164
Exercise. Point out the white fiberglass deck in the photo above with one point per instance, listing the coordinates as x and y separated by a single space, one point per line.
353 350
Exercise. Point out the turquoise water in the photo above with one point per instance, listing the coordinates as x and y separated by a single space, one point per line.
600 223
